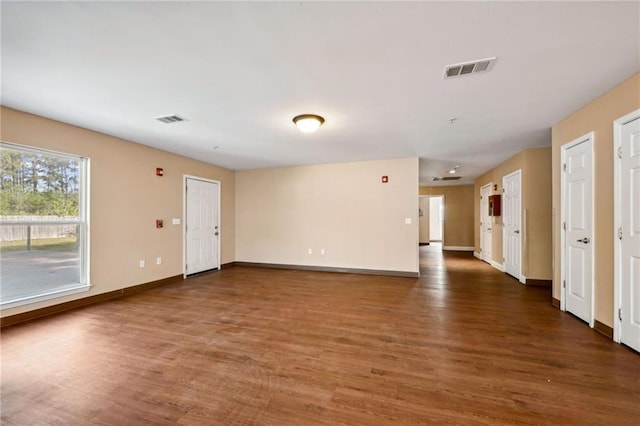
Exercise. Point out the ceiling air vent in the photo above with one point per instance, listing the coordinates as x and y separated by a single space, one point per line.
435 178
171 119
481 65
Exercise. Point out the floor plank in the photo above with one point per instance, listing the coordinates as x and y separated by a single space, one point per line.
464 344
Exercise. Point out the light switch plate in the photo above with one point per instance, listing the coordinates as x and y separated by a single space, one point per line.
175 221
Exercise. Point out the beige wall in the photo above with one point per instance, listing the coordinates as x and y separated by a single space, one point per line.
341 208
597 116
538 235
535 165
126 197
458 213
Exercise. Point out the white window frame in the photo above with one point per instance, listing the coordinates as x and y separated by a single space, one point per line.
82 222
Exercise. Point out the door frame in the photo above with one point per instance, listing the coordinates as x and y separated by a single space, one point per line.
490 261
588 138
520 277
184 218
444 217
617 219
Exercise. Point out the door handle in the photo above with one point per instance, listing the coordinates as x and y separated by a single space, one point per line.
488 229
216 234
585 240
517 231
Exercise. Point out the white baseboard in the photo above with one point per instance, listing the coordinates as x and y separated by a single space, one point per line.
458 248
497 265
476 254
523 280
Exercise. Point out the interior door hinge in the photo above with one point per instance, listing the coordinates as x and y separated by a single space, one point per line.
564 225
619 152
564 167
620 314
503 190
564 283
620 233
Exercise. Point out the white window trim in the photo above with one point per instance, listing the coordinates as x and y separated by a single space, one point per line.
84 237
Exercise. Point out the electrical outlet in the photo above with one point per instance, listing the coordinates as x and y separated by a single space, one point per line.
322 252
158 261
142 263
310 251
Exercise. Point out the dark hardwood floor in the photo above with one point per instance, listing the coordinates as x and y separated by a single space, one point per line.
464 344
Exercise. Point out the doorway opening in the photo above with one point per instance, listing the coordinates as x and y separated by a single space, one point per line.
577 239
436 218
431 221
201 225
486 225
511 224
626 326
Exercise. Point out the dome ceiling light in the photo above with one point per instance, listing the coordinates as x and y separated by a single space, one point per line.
308 123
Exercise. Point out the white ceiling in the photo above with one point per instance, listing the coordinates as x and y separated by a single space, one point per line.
239 72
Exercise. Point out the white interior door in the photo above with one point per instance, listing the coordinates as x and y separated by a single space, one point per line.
201 225
511 220
629 233
486 235
577 195
435 218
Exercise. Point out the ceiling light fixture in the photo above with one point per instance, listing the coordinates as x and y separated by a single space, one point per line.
454 170
308 123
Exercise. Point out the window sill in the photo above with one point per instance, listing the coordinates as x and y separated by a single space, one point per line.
67 290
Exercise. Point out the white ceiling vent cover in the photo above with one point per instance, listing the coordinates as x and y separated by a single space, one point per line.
481 65
170 118
435 178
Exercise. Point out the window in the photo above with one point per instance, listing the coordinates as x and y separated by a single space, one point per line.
43 225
